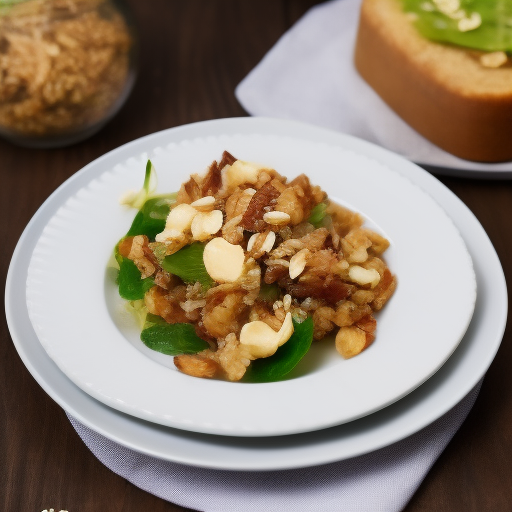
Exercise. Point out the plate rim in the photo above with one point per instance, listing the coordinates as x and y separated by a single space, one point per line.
305 131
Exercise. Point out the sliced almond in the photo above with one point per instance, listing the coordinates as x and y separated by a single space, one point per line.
364 276
206 224
261 340
205 204
252 240
277 304
180 218
224 262
286 331
169 234
276 218
261 243
298 263
269 242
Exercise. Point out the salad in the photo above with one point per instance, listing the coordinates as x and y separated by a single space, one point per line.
241 270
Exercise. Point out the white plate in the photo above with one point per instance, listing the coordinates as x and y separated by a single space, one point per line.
83 324
440 393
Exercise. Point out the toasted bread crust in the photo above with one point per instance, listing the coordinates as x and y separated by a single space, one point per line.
442 91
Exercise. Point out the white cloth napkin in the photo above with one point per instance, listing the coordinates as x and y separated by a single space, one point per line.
309 76
381 481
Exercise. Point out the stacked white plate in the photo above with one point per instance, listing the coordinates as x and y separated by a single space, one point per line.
436 337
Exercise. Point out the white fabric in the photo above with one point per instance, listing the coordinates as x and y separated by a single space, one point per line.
309 76
381 481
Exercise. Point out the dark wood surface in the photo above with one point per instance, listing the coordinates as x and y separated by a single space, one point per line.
194 53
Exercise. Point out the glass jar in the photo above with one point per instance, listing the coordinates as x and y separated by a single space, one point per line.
66 68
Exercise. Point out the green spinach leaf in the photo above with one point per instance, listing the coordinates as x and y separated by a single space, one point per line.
150 219
131 286
187 263
172 339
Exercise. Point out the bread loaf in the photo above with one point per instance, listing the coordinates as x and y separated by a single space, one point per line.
442 91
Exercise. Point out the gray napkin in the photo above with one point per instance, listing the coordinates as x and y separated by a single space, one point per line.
381 481
309 76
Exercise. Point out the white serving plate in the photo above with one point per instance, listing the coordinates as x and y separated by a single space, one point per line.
440 393
82 323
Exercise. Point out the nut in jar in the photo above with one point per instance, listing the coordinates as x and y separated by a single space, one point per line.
66 67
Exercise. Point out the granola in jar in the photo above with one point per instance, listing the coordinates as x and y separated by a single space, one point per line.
66 66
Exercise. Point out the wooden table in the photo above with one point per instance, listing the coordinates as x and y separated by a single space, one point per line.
193 55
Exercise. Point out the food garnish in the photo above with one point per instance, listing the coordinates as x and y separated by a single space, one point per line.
237 273
478 24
